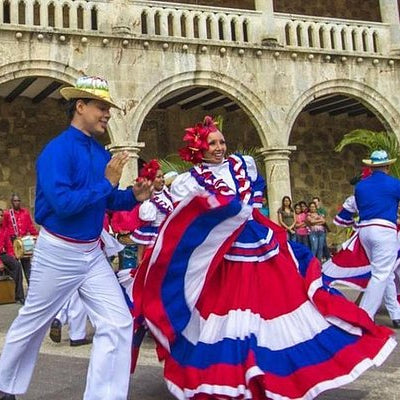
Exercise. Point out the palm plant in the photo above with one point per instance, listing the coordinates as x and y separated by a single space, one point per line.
374 141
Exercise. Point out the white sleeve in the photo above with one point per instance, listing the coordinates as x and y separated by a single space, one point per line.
147 211
350 204
184 185
251 167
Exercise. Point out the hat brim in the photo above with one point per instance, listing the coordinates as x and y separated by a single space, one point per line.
70 93
379 164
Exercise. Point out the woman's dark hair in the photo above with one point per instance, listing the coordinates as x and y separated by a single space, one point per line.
283 202
70 107
310 203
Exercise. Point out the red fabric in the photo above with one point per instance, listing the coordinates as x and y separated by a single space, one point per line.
24 223
126 221
5 242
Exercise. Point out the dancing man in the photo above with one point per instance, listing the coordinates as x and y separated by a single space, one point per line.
76 182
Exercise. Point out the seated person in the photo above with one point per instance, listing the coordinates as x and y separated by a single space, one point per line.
8 261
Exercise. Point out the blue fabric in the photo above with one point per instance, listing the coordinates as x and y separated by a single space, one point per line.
321 348
72 193
377 197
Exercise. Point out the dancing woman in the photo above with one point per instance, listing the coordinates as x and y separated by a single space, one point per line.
153 211
237 311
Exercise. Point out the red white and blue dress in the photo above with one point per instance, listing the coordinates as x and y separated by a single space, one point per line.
237 311
152 212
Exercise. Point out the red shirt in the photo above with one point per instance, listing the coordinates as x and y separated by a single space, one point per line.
126 221
5 242
23 220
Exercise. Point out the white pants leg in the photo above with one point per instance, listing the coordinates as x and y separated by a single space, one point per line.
59 268
381 245
73 313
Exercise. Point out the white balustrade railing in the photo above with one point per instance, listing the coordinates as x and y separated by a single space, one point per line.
66 14
338 35
195 22
154 19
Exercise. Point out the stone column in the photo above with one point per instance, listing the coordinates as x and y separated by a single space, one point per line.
390 15
276 160
130 171
269 35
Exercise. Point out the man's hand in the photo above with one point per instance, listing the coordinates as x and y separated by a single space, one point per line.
142 189
115 166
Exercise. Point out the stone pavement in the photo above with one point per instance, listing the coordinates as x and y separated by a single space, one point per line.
61 371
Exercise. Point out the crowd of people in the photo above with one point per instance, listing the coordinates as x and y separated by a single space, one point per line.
235 303
306 223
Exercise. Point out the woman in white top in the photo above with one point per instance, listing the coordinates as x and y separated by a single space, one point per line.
153 211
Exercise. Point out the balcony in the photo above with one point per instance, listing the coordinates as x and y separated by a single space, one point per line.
152 20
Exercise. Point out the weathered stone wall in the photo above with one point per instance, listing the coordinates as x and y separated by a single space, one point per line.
242 4
24 129
316 169
348 9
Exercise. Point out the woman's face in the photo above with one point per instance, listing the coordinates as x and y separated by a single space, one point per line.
297 209
303 207
286 202
216 148
312 208
159 181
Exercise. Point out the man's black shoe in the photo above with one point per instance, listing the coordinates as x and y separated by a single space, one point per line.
79 342
8 397
55 330
20 301
396 323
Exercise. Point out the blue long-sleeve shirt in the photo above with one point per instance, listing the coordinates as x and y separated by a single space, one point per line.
378 196
72 192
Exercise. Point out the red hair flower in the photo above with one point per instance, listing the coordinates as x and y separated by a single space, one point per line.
196 139
149 170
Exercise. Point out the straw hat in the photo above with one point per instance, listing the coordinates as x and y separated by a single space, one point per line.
89 87
379 158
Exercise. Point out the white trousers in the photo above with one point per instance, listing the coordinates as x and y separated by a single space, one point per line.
74 314
379 239
60 268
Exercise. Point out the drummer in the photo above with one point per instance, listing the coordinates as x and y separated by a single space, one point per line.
19 223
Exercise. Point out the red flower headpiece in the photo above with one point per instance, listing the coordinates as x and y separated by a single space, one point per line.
196 139
149 170
366 172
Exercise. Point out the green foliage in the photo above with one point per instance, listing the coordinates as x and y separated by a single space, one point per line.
374 141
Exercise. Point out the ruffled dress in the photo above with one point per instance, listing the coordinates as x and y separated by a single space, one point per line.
236 310
152 212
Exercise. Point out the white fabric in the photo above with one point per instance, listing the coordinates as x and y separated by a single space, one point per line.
59 268
186 185
74 314
350 204
111 245
381 245
149 212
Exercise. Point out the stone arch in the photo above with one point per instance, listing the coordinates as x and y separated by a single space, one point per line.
249 102
382 108
53 69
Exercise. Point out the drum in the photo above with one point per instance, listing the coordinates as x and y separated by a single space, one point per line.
23 246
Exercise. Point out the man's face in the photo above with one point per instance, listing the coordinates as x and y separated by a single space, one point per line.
16 203
316 201
93 116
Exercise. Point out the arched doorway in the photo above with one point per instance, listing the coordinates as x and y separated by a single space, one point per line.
163 127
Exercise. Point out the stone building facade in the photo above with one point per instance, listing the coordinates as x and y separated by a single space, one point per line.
274 60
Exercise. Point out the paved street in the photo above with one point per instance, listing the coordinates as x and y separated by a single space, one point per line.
61 370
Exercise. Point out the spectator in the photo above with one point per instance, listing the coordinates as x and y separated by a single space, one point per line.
286 217
8 261
316 224
326 254
303 206
301 228
18 222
